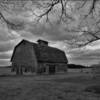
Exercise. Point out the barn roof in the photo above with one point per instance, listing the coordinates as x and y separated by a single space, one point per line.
47 53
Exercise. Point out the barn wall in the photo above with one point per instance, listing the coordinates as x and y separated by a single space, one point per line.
25 68
61 67
24 55
45 67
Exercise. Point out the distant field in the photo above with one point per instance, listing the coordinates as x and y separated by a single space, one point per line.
62 86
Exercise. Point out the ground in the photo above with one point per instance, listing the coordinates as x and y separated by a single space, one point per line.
62 86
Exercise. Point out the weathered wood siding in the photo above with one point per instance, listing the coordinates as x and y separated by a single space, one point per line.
24 55
61 67
58 67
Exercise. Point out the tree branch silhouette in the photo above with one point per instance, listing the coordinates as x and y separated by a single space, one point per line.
47 8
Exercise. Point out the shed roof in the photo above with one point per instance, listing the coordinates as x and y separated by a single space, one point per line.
46 53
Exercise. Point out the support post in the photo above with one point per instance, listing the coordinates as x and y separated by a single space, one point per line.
21 70
17 70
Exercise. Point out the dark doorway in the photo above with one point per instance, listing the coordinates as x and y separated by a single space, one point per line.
52 69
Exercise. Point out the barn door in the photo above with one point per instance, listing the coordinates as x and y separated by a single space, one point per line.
52 69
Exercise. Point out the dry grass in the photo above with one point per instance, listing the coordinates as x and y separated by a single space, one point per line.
51 87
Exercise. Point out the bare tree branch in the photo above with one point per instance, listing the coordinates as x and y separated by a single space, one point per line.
48 9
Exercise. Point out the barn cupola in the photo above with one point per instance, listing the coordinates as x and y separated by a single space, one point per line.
42 42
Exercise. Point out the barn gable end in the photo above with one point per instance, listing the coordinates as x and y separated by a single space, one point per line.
24 54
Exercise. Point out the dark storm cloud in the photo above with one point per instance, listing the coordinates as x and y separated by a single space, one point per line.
53 32
50 31
17 24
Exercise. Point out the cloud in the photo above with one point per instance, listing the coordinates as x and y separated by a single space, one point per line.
8 45
94 46
5 62
86 62
85 55
4 35
50 31
54 32
6 55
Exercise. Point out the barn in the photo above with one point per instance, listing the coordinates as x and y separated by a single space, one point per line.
38 57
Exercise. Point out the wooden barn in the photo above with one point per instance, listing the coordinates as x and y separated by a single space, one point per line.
38 57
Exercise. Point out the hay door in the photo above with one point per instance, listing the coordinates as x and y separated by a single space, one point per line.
52 69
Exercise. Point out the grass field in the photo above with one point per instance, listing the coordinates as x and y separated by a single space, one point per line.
62 86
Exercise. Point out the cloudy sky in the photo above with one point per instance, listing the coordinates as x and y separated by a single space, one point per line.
53 32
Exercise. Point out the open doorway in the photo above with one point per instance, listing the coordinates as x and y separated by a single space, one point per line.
52 69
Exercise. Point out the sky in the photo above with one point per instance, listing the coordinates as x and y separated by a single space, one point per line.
55 33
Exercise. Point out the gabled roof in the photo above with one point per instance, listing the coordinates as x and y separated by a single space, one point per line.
46 53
